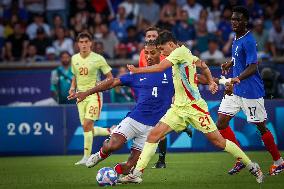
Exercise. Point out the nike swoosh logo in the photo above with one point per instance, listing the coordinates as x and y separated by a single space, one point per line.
141 79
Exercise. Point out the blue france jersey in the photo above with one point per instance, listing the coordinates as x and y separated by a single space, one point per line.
154 92
243 54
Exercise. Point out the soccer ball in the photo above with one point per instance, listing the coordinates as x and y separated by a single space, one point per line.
107 176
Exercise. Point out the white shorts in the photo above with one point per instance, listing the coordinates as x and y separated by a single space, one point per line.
131 129
253 108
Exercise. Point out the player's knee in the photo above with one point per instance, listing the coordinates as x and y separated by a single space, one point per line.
220 143
221 124
153 137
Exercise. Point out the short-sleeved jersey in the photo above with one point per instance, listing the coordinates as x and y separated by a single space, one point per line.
184 76
244 53
86 70
154 92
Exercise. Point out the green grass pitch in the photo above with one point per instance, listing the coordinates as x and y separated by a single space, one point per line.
184 170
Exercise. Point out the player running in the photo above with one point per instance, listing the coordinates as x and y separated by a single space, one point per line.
188 107
85 66
152 33
152 104
248 93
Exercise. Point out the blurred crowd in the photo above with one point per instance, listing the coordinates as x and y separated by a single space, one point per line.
40 30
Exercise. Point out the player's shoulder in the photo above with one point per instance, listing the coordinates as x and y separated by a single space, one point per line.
75 55
249 37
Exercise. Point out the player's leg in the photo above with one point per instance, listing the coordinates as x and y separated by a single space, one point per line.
200 119
125 167
171 121
81 109
123 132
229 106
216 138
100 131
162 146
256 113
115 142
149 149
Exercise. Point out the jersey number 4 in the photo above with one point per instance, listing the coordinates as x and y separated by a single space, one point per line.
155 92
83 71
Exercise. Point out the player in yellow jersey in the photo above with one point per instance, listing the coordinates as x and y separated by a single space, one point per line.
188 107
86 65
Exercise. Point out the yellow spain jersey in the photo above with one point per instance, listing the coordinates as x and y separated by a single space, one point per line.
184 76
86 70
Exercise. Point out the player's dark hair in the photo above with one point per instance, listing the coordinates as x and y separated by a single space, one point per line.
153 28
166 36
84 35
243 10
151 43
64 52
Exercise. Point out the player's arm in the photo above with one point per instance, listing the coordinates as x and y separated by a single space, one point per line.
104 85
226 67
73 86
213 87
150 69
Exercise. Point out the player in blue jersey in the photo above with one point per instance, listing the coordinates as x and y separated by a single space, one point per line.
248 90
154 94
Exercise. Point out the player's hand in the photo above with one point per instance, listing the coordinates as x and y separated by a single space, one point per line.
229 88
132 68
71 91
235 80
226 67
213 87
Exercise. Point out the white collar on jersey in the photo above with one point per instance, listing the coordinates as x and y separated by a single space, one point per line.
241 36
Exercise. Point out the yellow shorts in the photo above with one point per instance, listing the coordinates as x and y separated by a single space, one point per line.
196 115
90 108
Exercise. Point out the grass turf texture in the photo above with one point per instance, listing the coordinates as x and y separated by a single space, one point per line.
184 170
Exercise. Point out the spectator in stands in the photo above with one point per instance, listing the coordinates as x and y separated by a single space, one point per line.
224 27
32 56
132 40
131 9
121 52
149 10
41 41
38 22
79 6
276 38
2 41
103 7
57 23
193 9
227 48
202 37
79 22
15 10
16 45
273 83
169 15
213 53
183 31
108 39
99 48
62 43
50 54
261 36
61 79
214 11
121 94
120 24
56 8
211 26
34 7
254 9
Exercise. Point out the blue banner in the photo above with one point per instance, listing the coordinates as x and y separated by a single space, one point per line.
57 130
31 130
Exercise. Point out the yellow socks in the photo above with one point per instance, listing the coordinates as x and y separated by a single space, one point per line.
146 155
88 143
99 131
233 149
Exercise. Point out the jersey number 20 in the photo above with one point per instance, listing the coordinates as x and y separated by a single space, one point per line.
155 92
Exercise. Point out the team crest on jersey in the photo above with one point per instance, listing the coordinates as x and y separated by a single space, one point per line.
165 80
